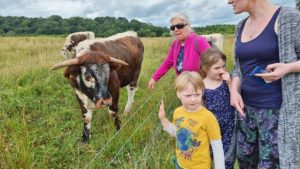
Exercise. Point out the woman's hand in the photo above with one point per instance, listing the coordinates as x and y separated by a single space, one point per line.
151 84
237 102
276 71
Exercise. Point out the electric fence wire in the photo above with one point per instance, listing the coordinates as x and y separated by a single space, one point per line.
140 126
103 148
156 131
148 151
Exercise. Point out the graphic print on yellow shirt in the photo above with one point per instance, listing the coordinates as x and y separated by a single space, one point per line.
194 131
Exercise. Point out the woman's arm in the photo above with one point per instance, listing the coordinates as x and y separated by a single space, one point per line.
166 65
235 96
278 70
235 88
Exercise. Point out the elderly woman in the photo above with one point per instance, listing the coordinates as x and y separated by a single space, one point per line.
183 54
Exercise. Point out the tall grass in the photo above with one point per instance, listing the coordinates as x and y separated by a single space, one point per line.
41 123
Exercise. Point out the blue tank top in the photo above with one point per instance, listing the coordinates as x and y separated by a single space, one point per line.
261 51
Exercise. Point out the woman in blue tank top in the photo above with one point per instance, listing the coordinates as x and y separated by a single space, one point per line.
257 87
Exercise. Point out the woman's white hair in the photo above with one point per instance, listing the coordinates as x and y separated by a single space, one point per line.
182 16
185 19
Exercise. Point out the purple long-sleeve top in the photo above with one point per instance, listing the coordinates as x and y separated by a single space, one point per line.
191 59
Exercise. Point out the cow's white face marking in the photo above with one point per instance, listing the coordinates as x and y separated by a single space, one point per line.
88 79
91 85
87 103
78 80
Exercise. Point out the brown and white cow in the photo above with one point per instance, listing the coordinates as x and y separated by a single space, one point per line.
215 39
98 73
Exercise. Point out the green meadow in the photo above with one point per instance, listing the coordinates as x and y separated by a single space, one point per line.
41 122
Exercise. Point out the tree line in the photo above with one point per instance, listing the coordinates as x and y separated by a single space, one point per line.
102 26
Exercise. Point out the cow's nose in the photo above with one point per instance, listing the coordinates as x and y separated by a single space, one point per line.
101 103
105 94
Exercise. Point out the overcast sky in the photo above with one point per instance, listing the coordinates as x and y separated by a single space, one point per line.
157 12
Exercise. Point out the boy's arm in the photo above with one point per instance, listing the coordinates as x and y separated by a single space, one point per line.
218 153
171 129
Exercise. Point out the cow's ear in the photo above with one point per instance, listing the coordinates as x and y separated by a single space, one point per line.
114 66
71 72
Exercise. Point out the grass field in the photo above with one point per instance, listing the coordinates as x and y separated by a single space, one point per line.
41 124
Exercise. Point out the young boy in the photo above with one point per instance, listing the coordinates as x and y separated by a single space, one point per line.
194 127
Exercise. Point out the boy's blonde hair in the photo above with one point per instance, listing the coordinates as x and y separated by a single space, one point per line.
185 78
210 57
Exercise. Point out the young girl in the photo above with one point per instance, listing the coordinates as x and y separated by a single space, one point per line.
217 96
194 127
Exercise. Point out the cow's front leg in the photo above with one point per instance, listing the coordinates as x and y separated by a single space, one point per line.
87 119
114 90
131 89
115 117
113 109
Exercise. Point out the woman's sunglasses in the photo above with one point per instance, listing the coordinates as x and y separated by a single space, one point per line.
178 26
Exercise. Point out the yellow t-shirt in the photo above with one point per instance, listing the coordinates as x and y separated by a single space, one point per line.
194 132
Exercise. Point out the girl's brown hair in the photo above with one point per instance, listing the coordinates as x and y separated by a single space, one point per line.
209 58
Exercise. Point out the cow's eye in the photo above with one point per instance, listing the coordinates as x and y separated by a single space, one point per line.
88 77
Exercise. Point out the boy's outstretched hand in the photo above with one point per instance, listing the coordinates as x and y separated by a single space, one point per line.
162 112
162 115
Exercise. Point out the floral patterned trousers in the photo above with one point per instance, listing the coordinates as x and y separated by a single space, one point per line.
257 139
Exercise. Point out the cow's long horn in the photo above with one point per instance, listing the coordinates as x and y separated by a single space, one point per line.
66 63
118 61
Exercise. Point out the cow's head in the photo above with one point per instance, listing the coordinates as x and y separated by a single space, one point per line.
90 74
72 40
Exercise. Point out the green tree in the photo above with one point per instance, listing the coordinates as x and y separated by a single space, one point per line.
35 24
24 28
89 24
1 31
75 24
123 24
101 26
135 24
298 4
146 33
